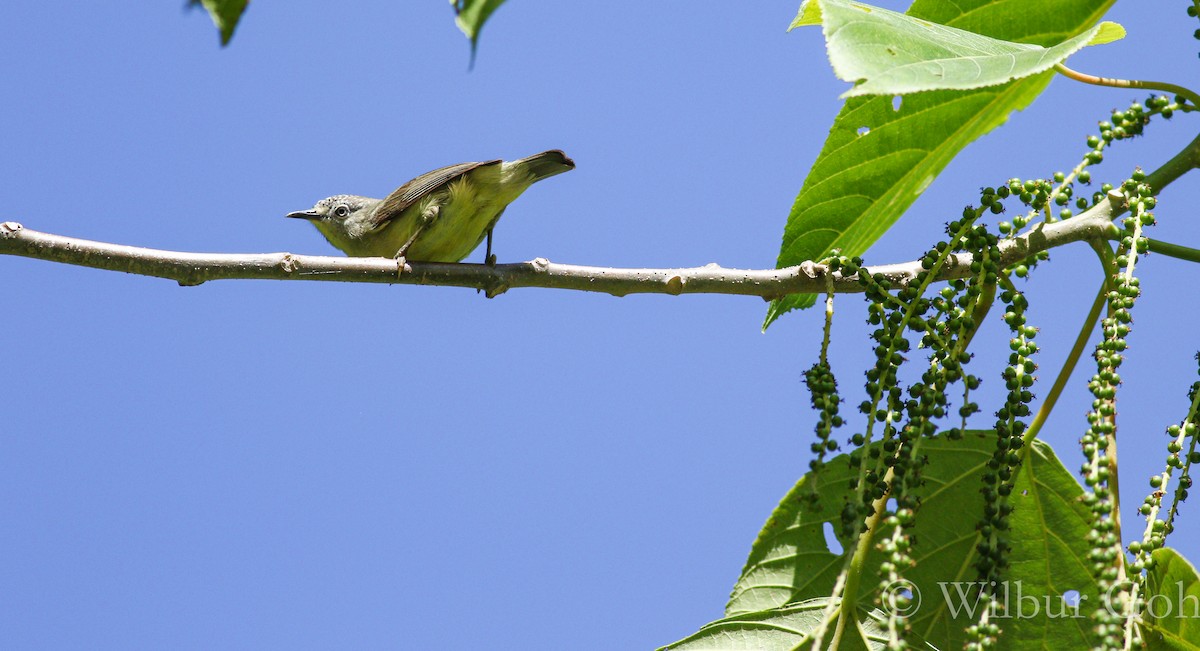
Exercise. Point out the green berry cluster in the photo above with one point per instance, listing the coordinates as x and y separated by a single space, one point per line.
956 306
822 387
897 549
1036 195
1121 125
993 548
984 634
890 346
1104 538
894 469
959 307
965 298
1181 455
1189 430
893 315
1058 192
945 323
1019 376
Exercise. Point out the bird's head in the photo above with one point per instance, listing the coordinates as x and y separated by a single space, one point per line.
345 215
336 209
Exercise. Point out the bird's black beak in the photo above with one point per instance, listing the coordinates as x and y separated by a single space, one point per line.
304 214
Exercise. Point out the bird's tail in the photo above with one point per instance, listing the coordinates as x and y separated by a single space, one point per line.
546 164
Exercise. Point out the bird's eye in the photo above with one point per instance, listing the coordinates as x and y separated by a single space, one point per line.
341 211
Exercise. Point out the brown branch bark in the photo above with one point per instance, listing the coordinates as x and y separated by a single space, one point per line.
196 268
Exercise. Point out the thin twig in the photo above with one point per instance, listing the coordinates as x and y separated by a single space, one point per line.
1164 86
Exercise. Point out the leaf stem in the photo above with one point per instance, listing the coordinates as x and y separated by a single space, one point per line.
1068 367
1174 250
1189 94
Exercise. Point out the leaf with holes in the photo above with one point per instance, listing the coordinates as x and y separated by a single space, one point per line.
878 158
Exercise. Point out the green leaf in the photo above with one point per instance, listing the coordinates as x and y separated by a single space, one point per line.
895 54
791 563
472 14
225 15
782 628
1172 603
877 160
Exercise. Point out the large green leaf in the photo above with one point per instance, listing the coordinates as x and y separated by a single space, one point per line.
1172 615
472 14
225 14
878 160
790 562
896 54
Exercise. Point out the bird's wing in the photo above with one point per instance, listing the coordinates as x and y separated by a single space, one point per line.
416 189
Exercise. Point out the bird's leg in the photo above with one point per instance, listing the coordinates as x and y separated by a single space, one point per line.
489 258
427 217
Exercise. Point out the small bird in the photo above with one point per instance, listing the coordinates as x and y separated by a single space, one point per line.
440 216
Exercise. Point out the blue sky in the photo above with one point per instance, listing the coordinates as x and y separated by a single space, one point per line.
248 465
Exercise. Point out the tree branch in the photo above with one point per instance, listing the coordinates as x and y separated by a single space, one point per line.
196 268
